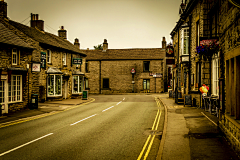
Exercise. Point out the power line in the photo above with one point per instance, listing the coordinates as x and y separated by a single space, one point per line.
25 19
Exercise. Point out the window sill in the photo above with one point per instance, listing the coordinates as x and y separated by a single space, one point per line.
106 88
77 94
15 102
54 95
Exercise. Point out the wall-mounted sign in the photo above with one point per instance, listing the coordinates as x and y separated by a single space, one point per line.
169 51
43 60
3 76
185 59
77 61
235 2
133 71
208 41
157 75
36 67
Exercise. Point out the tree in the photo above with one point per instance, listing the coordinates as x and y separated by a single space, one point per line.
98 47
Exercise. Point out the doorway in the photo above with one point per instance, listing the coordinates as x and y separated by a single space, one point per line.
65 89
3 96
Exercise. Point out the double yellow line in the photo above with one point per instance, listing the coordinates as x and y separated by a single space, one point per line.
154 127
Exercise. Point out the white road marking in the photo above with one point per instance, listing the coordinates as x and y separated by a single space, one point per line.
83 119
25 144
119 102
107 109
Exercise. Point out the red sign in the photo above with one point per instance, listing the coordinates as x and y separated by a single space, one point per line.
133 71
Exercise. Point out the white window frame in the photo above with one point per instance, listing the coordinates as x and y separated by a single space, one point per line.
53 86
215 77
147 85
64 59
79 85
184 34
15 56
17 92
49 56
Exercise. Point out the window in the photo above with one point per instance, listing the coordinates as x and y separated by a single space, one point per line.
146 84
105 82
15 57
15 89
77 84
2 89
146 66
215 69
86 83
49 56
86 67
184 41
198 33
64 59
54 85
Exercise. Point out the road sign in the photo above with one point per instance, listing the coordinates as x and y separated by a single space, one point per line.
133 71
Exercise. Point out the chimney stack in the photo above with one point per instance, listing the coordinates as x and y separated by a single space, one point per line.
105 45
76 43
62 33
3 9
37 23
164 43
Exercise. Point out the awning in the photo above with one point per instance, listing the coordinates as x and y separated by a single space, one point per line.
52 70
77 73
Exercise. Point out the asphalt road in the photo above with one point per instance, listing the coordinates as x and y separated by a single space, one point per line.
112 127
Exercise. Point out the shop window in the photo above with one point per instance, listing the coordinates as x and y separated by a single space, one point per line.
105 82
86 83
64 59
49 55
215 70
146 66
184 41
146 84
54 85
2 91
77 84
15 89
15 57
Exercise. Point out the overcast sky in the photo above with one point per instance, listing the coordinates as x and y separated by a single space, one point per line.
124 23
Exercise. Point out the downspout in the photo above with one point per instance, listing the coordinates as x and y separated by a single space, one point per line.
100 64
189 48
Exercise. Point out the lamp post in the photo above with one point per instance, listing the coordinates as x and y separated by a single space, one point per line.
133 71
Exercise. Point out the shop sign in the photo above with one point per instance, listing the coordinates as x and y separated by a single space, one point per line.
36 67
77 61
185 59
157 75
208 41
3 77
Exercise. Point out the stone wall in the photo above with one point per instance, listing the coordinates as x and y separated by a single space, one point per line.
120 77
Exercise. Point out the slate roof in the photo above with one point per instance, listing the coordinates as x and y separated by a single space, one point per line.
8 37
46 38
126 54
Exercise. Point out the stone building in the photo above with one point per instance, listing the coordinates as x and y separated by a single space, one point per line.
110 71
206 47
37 62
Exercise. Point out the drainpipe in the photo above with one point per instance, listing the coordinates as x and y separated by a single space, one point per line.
100 76
189 48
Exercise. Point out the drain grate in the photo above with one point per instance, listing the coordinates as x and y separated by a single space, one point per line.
153 132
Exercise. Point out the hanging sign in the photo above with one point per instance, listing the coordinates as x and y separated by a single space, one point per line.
77 61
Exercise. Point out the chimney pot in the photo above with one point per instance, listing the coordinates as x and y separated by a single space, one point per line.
62 27
37 23
105 45
76 43
36 16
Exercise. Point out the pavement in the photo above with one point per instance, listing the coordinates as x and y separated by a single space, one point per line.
44 109
191 133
